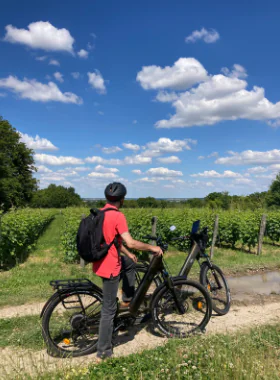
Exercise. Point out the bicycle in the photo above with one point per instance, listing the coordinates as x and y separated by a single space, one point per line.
211 276
70 318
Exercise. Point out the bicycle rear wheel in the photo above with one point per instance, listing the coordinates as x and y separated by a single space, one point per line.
70 323
215 282
196 302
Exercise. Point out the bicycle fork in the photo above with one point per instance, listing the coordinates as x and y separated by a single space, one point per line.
180 307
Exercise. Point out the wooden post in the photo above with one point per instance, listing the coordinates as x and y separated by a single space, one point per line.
82 261
261 234
215 233
154 233
154 228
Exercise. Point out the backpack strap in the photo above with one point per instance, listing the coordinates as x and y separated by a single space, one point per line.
115 240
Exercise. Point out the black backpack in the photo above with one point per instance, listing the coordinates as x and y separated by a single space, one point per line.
91 244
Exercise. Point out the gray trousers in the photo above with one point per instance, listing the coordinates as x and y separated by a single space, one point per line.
109 306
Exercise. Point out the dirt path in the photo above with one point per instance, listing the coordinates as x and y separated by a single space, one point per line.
15 361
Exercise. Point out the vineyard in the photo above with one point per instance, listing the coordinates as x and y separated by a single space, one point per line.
19 231
236 228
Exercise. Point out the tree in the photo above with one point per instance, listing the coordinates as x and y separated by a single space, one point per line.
55 196
273 197
148 202
16 166
218 200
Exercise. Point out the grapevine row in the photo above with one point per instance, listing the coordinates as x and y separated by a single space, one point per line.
19 230
235 228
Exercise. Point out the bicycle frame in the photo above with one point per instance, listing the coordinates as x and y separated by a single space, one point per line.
154 268
196 253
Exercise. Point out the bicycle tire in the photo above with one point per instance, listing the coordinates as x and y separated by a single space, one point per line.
216 302
59 350
201 303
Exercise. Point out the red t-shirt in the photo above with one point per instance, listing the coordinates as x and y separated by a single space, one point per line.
114 224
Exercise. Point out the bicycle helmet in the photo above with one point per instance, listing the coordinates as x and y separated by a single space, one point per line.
115 191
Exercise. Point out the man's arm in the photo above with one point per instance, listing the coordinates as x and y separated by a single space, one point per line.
135 244
126 252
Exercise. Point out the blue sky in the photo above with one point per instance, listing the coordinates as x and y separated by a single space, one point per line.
175 99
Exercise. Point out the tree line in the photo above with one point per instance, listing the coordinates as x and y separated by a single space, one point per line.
19 188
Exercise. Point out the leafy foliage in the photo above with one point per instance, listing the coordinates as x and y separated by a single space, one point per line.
235 227
56 196
19 231
16 166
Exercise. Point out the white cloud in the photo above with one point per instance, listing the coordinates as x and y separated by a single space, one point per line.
129 160
134 122
112 149
138 159
166 145
37 143
257 169
214 154
43 169
97 82
90 46
102 175
214 174
100 113
200 157
208 36
103 169
145 179
178 181
57 160
38 92
274 167
169 186
183 74
266 176
163 172
136 171
243 181
83 54
134 147
42 58
166 97
59 77
67 172
76 75
169 160
41 35
250 157
54 62
238 71
220 98
80 169
2 95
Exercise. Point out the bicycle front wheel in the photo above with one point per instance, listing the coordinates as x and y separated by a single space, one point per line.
214 280
197 307
70 323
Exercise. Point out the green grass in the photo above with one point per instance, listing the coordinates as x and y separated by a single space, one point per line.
29 282
230 260
253 355
24 332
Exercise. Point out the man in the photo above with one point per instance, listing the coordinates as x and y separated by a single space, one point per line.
109 267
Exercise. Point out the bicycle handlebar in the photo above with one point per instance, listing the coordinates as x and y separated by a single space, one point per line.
180 238
149 237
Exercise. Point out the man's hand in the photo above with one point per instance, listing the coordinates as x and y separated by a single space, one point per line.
157 251
132 257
